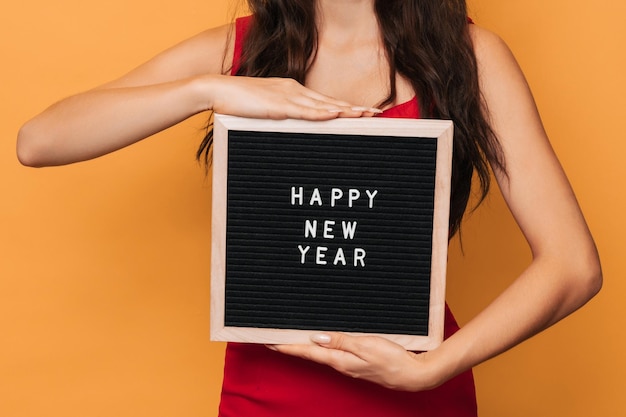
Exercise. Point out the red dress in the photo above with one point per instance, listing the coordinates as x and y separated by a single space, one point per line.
259 382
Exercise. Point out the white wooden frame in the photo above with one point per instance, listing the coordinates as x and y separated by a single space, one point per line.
440 129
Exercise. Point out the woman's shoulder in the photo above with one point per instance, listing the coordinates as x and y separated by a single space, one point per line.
208 52
490 49
487 43
496 63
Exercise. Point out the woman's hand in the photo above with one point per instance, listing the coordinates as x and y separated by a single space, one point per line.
276 98
371 358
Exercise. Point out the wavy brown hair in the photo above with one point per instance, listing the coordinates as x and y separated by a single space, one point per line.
426 41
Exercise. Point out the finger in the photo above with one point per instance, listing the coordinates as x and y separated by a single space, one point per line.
352 112
338 341
344 362
327 99
372 112
306 108
342 342
363 109
320 103
311 113
346 106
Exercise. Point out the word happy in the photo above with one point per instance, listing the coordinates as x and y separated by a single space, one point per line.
331 229
336 196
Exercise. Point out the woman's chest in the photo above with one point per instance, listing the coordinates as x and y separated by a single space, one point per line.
359 76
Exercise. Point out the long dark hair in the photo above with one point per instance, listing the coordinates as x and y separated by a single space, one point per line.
426 41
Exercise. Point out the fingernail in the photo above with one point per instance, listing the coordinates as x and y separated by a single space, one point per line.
321 338
271 347
367 109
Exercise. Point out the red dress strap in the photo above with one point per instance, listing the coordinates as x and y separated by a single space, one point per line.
241 28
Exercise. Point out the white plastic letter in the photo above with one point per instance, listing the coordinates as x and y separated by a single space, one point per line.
371 196
316 197
328 229
359 256
340 257
349 228
310 228
353 195
297 195
303 252
335 194
320 255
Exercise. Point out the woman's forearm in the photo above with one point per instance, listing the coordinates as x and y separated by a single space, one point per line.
101 121
544 294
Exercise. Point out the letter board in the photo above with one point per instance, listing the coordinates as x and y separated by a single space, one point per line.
339 225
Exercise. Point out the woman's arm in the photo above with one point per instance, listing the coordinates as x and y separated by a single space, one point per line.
565 271
150 98
563 275
176 84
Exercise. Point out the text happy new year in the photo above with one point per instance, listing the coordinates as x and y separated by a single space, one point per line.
331 229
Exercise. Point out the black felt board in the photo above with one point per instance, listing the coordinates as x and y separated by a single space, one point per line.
267 286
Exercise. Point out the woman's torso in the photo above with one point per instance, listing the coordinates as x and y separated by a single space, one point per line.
259 382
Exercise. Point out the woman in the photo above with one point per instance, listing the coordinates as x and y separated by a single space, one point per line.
354 58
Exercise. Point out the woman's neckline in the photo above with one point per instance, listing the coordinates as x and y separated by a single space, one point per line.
409 108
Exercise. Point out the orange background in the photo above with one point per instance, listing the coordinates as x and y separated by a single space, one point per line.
104 265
